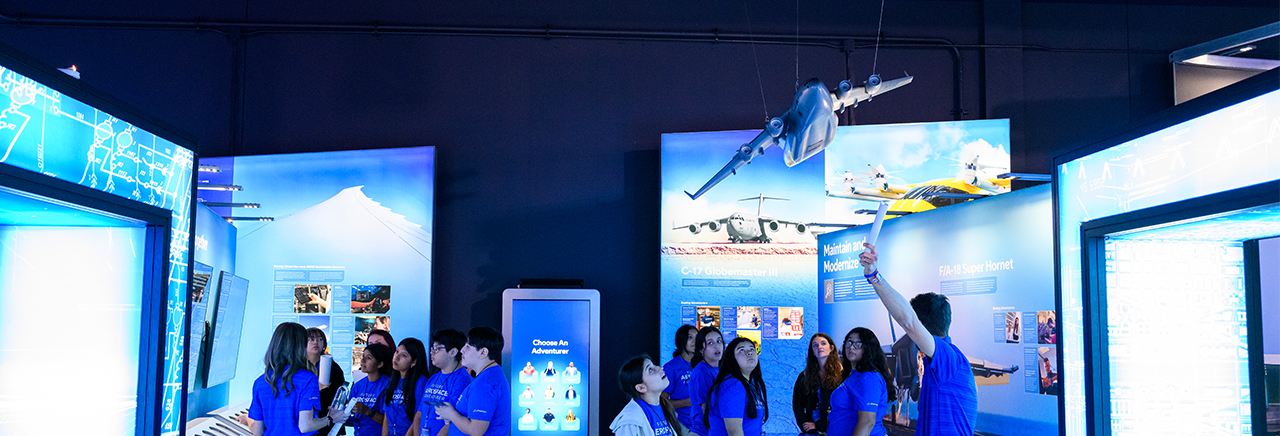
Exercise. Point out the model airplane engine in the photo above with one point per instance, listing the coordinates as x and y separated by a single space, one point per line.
695 229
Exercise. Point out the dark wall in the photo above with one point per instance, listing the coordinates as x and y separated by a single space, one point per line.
548 147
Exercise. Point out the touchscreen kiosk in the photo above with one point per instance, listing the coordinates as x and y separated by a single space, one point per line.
552 359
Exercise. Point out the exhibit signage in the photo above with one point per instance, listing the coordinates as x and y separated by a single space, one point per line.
741 256
551 357
993 260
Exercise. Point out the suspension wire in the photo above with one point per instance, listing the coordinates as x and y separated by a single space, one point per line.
797 45
751 36
879 29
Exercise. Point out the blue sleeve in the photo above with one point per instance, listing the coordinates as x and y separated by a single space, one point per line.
868 392
943 363
731 399
420 392
483 403
255 408
308 394
457 384
698 384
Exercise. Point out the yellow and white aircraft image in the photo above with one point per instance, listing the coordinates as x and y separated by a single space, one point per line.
875 186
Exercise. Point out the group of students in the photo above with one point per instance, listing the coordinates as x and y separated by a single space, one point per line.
844 394
468 395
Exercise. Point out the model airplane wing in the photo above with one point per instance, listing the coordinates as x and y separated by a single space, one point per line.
767 138
846 98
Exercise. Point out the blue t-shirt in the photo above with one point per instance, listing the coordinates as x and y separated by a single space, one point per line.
657 421
441 387
948 395
730 401
279 412
861 392
678 372
367 393
398 420
487 398
699 383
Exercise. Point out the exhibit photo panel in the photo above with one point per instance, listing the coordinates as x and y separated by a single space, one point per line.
340 240
114 261
739 257
552 359
993 260
1218 143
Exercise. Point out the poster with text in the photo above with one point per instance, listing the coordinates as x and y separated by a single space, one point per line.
333 234
741 256
993 260
550 367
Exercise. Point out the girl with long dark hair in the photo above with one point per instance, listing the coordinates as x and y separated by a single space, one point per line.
858 406
286 397
738 404
318 345
709 348
678 370
648 414
408 381
811 395
376 364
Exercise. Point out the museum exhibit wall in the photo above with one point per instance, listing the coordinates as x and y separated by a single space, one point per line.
548 148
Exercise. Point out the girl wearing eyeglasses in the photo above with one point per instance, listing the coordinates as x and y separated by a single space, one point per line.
738 404
858 406
709 349
446 384
811 395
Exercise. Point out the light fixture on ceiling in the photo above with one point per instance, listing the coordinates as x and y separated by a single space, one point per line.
248 218
244 205
212 187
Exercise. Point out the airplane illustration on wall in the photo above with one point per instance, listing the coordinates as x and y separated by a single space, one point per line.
808 127
875 186
743 227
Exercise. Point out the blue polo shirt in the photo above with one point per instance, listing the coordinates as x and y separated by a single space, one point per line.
487 398
678 372
367 393
730 401
279 411
399 420
657 420
699 383
441 387
861 392
948 395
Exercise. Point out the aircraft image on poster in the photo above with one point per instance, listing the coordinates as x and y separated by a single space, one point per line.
873 185
807 128
957 159
741 227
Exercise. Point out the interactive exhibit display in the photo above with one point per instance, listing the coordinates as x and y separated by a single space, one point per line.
1157 247
345 246
993 259
741 256
552 360
95 204
227 324
213 253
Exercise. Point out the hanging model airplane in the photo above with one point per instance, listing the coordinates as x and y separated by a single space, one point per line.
808 127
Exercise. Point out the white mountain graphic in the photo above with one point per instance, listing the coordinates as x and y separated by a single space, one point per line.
349 221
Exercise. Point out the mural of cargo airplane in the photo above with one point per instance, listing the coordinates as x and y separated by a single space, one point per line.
808 127
746 227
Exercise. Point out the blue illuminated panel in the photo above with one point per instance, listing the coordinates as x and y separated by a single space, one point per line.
70 323
1177 337
1230 148
44 131
227 325
550 335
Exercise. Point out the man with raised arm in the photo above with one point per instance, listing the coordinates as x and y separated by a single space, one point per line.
948 395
